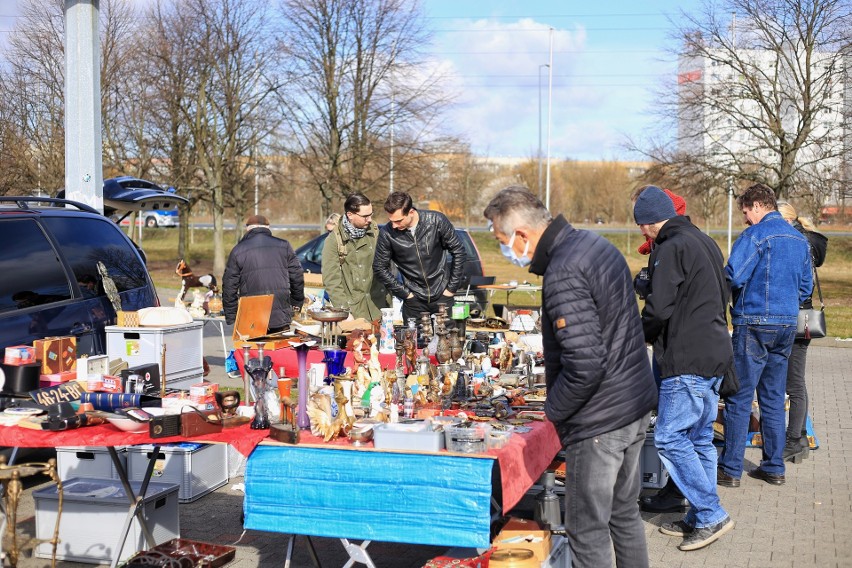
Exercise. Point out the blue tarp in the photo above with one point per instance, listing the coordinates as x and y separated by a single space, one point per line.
430 499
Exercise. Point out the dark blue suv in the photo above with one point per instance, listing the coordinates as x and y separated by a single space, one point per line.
51 283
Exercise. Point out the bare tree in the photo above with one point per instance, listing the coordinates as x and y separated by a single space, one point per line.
358 99
215 61
760 94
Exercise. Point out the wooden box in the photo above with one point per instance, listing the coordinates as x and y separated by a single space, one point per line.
524 533
252 323
57 354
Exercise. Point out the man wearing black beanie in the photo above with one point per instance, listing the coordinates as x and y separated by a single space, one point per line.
684 318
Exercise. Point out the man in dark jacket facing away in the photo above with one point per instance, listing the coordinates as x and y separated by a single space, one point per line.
600 389
418 243
684 318
261 264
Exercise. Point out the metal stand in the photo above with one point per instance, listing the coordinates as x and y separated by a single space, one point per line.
357 553
311 550
137 502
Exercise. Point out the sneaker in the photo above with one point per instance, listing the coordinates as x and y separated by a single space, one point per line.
699 538
676 528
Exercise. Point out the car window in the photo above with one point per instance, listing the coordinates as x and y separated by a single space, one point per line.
85 241
32 273
314 252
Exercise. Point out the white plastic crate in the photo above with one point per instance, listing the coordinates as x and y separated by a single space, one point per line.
93 515
651 469
88 462
141 345
184 380
197 468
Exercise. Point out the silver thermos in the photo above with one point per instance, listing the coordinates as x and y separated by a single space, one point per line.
547 511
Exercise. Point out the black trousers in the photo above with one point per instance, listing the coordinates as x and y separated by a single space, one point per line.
797 388
414 307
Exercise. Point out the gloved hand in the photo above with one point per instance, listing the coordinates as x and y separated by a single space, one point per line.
642 283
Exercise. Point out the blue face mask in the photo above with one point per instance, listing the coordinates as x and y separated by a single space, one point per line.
507 251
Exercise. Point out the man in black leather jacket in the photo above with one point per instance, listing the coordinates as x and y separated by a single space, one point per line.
262 264
600 390
417 242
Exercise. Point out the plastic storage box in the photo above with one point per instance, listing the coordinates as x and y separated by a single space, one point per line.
88 462
141 345
652 470
197 468
416 436
93 515
471 439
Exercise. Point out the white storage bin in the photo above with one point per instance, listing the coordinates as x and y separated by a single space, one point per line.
651 470
141 345
197 468
184 380
88 462
93 515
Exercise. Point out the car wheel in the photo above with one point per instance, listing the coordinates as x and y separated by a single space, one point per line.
151 222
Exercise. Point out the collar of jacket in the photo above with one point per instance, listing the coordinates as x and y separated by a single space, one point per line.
257 231
672 226
541 257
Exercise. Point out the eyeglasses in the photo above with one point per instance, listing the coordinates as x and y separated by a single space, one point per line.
367 216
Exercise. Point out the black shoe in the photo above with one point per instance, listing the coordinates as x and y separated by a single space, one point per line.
726 480
676 528
796 449
770 478
699 538
664 502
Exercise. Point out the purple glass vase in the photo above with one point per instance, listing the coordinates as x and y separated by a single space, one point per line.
303 422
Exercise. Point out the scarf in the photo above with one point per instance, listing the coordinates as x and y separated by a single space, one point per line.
351 230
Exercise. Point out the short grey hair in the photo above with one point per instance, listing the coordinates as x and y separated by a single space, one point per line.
515 207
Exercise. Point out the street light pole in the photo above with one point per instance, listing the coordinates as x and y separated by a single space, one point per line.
549 119
539 127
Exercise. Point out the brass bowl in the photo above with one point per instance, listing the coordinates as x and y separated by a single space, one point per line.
360 436
329 314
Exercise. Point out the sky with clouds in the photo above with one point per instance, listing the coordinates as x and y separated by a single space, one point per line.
608 59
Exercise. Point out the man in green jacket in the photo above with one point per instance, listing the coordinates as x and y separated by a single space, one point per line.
347 261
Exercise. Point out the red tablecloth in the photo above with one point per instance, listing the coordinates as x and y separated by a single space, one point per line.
521 461
287 358
243 438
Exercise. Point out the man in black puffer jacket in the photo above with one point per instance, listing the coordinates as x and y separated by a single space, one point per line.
262 264
600 389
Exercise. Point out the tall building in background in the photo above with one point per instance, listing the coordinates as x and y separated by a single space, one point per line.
722 124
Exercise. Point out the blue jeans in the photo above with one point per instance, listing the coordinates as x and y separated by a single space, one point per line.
684 435
760 357
601 498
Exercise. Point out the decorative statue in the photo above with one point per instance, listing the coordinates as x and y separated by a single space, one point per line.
259 370
409 344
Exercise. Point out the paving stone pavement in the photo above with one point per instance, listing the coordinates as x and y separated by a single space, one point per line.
806 522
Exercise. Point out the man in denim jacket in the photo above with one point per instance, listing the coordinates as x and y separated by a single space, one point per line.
770 274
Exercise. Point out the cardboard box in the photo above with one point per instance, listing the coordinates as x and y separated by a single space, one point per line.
524 533
252 324
54 379
57 354
19 355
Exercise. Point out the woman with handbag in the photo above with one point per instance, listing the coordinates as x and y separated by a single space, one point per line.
797 445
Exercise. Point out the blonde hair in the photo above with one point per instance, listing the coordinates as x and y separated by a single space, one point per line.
788 212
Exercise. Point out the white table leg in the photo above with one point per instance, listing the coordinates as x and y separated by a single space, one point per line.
357 553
